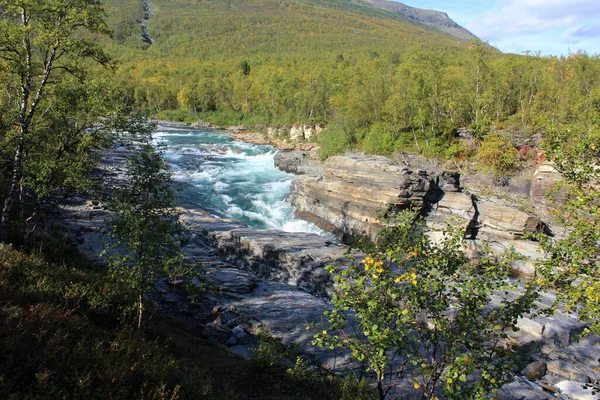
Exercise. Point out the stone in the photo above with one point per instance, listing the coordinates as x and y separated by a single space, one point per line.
535 370
217 331
297 134
521 389
580 378
348 195
239 332
238 129
273 133
576 390
162 286
232 280
309 132
297 259
531 326
170 298
565 368
545 179
243 351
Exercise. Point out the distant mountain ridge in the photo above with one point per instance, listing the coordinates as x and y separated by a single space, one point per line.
434 19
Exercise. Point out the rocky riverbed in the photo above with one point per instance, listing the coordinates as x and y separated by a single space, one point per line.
274 280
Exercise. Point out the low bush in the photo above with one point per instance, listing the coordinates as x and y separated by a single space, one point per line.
334 141
379 140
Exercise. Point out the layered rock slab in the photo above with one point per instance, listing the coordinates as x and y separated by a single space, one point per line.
352 195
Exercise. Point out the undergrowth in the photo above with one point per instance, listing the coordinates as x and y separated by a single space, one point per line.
62 335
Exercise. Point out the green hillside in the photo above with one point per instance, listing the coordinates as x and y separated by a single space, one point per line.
251 28
378 79
293 47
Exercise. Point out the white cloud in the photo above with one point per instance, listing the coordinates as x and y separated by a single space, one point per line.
548 25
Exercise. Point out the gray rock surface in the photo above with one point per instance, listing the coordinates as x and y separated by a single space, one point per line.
577 390
275 280
348 195
351 195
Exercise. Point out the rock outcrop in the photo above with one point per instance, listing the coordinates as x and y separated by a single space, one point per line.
296 259
351 195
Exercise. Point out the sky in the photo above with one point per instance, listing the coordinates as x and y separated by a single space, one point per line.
551 27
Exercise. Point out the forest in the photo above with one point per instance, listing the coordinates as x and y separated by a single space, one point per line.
401 94
83 77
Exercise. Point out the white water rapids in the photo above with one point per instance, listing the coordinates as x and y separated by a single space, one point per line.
231 179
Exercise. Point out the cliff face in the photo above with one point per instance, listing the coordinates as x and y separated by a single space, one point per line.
434 19
347 195
351 195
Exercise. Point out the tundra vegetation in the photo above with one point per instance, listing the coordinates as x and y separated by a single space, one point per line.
375 81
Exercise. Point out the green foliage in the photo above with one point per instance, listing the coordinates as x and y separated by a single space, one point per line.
499 156
245 67
284 367
59 115
334 141
271 352
61 336
459 151
379 140
418 312
572 265
343 63
145 226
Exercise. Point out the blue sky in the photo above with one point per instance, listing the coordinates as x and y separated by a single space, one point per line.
554 27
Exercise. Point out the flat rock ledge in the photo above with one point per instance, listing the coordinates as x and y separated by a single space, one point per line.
297 259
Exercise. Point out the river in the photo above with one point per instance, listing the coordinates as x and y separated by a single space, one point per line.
231 179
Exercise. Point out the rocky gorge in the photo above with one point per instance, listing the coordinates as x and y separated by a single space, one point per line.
268 279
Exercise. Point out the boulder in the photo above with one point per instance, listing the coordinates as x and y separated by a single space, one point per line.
535 370
309 132
545 180
238 128
349 194
273 133
297 134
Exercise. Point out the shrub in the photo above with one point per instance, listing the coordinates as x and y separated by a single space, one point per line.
334 141
499 156
416 312
379 140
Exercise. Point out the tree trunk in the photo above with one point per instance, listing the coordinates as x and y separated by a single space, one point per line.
380 387
15 185
140 307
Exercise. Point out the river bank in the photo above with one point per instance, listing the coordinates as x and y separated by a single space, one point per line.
282 141
273 280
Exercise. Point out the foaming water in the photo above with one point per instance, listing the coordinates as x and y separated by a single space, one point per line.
230 178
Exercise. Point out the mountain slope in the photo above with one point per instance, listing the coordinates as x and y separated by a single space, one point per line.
251 28
434 19
309 59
